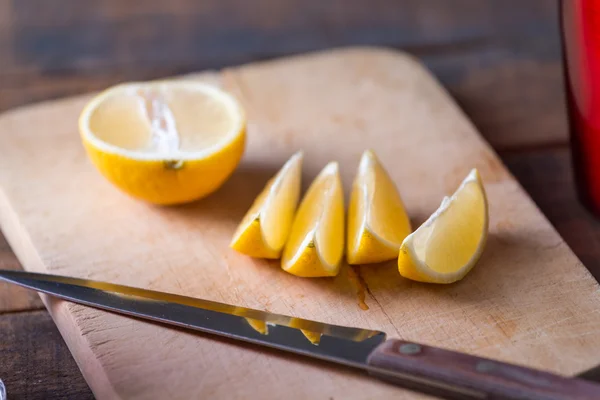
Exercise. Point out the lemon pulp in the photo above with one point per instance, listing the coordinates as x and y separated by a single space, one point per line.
164 142
316 242
265 227
377 220
447 246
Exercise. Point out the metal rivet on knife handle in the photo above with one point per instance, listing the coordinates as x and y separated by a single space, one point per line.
410 348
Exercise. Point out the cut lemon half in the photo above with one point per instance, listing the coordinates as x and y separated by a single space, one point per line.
316 242
447 246
266 226
165 142
377 220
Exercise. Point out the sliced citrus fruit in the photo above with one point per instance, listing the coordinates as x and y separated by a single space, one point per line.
316 243
377 220
266 226
165 142
447 246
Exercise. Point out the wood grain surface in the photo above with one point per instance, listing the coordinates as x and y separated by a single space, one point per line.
13 298
547 175
484 51
500 59
34 365
361 97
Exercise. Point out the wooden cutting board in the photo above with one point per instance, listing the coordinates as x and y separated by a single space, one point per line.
528 301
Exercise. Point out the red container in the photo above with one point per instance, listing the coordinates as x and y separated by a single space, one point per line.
580 25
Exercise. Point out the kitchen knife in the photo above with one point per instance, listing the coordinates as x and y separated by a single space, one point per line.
414 366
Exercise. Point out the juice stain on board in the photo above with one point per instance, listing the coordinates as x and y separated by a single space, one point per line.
359 284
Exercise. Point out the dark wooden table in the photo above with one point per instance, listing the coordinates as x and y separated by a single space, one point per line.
500 59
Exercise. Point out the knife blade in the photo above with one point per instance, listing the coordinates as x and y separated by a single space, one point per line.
414 366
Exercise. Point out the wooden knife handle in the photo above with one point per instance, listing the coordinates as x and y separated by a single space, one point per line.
453 375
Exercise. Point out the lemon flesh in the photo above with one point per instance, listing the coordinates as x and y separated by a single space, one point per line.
377 220
448 245
316 242
164 142
266 226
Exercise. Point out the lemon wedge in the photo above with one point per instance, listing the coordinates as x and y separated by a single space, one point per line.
447 246
165 142
266 226
316 243
377 220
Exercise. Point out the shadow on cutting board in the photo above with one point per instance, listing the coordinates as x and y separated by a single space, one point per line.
505 258
233 199
220 213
